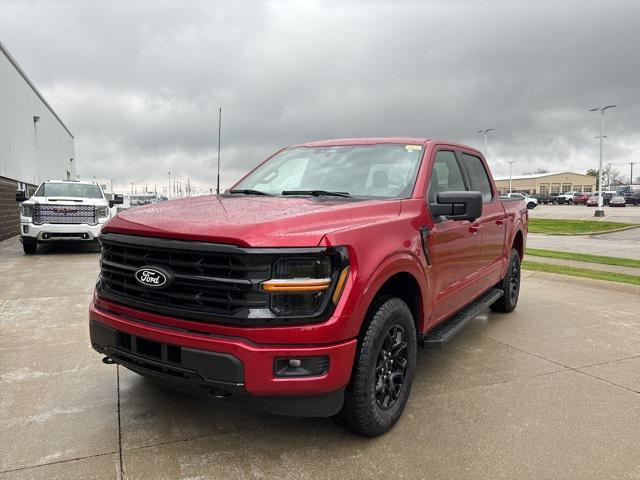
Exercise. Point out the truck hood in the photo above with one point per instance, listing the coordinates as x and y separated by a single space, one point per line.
251 221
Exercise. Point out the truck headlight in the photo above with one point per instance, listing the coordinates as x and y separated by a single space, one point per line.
300 286
102 212
26 210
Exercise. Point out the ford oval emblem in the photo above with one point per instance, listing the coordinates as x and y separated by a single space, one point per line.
153 277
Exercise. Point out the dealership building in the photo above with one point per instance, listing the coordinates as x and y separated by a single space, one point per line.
547 183
35 144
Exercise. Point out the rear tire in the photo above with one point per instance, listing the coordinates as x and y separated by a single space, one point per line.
510 286
383 370
29 247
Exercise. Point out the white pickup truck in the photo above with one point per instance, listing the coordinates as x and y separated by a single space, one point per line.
63 211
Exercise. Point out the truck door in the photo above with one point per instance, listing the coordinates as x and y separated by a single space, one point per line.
456 245
492 225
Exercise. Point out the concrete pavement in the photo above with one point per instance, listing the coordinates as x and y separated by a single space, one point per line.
549 391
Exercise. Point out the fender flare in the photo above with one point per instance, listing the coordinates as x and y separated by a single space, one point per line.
399 262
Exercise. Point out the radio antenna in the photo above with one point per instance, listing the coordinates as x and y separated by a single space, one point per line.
219 133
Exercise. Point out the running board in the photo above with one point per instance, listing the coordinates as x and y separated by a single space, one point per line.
446 330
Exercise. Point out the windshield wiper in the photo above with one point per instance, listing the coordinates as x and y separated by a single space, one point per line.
316 193
248 191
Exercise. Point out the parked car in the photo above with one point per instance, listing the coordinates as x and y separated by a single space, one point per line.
565 198
274 293
530 201
617 201
553 198
542 199
580 198
593 199
63 211
631 195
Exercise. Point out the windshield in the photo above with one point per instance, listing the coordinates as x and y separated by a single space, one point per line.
81 190
381 171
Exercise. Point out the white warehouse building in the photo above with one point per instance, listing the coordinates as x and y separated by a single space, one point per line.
35 144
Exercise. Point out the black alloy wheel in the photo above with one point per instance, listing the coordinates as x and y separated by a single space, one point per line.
383 369
510 285
391 367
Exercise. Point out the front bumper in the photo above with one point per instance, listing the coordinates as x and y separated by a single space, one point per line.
60 232
225 366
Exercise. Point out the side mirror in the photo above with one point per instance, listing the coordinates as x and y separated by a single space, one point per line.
458 205
21 196
117 200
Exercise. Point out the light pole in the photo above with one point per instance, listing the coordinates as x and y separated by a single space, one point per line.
510 162
608 164
169 189
219 136
599 211
484 133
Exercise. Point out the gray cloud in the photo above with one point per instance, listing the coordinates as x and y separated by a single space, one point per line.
140 84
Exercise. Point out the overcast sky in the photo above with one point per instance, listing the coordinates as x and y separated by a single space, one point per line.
139 83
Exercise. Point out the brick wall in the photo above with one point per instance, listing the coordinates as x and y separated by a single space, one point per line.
9 208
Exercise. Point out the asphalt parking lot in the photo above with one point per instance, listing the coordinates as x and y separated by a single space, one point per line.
629 214
550 391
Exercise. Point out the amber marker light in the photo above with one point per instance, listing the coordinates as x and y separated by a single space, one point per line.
340 285
296 285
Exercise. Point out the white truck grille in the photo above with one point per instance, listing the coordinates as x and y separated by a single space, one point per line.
64 214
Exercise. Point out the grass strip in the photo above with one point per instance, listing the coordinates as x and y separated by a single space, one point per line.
581 272
584 257
572 227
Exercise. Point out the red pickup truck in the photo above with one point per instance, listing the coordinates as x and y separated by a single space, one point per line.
307 287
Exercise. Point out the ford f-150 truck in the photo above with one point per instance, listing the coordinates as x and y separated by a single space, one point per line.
63 211
307 287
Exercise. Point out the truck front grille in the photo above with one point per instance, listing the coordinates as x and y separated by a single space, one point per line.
210 283
70 214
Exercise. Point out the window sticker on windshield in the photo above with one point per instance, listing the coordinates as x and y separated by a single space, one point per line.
413 148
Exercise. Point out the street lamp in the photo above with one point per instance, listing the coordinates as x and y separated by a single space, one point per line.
510 162
599 211
484 133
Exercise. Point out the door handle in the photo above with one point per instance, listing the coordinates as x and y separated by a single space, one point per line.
499 222
474 229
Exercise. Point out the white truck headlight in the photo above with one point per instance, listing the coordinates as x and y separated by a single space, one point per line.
102 212
26 210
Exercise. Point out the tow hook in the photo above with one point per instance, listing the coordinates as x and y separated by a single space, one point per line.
108 360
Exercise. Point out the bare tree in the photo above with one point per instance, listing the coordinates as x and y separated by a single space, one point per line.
537 171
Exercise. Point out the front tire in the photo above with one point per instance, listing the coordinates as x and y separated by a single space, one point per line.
531 205
510 286
383 370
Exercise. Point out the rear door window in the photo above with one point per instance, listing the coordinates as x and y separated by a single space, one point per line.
478 176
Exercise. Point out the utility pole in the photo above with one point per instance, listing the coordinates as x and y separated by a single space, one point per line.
484 133
219 135
631 177
131 188
169 189
600 211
